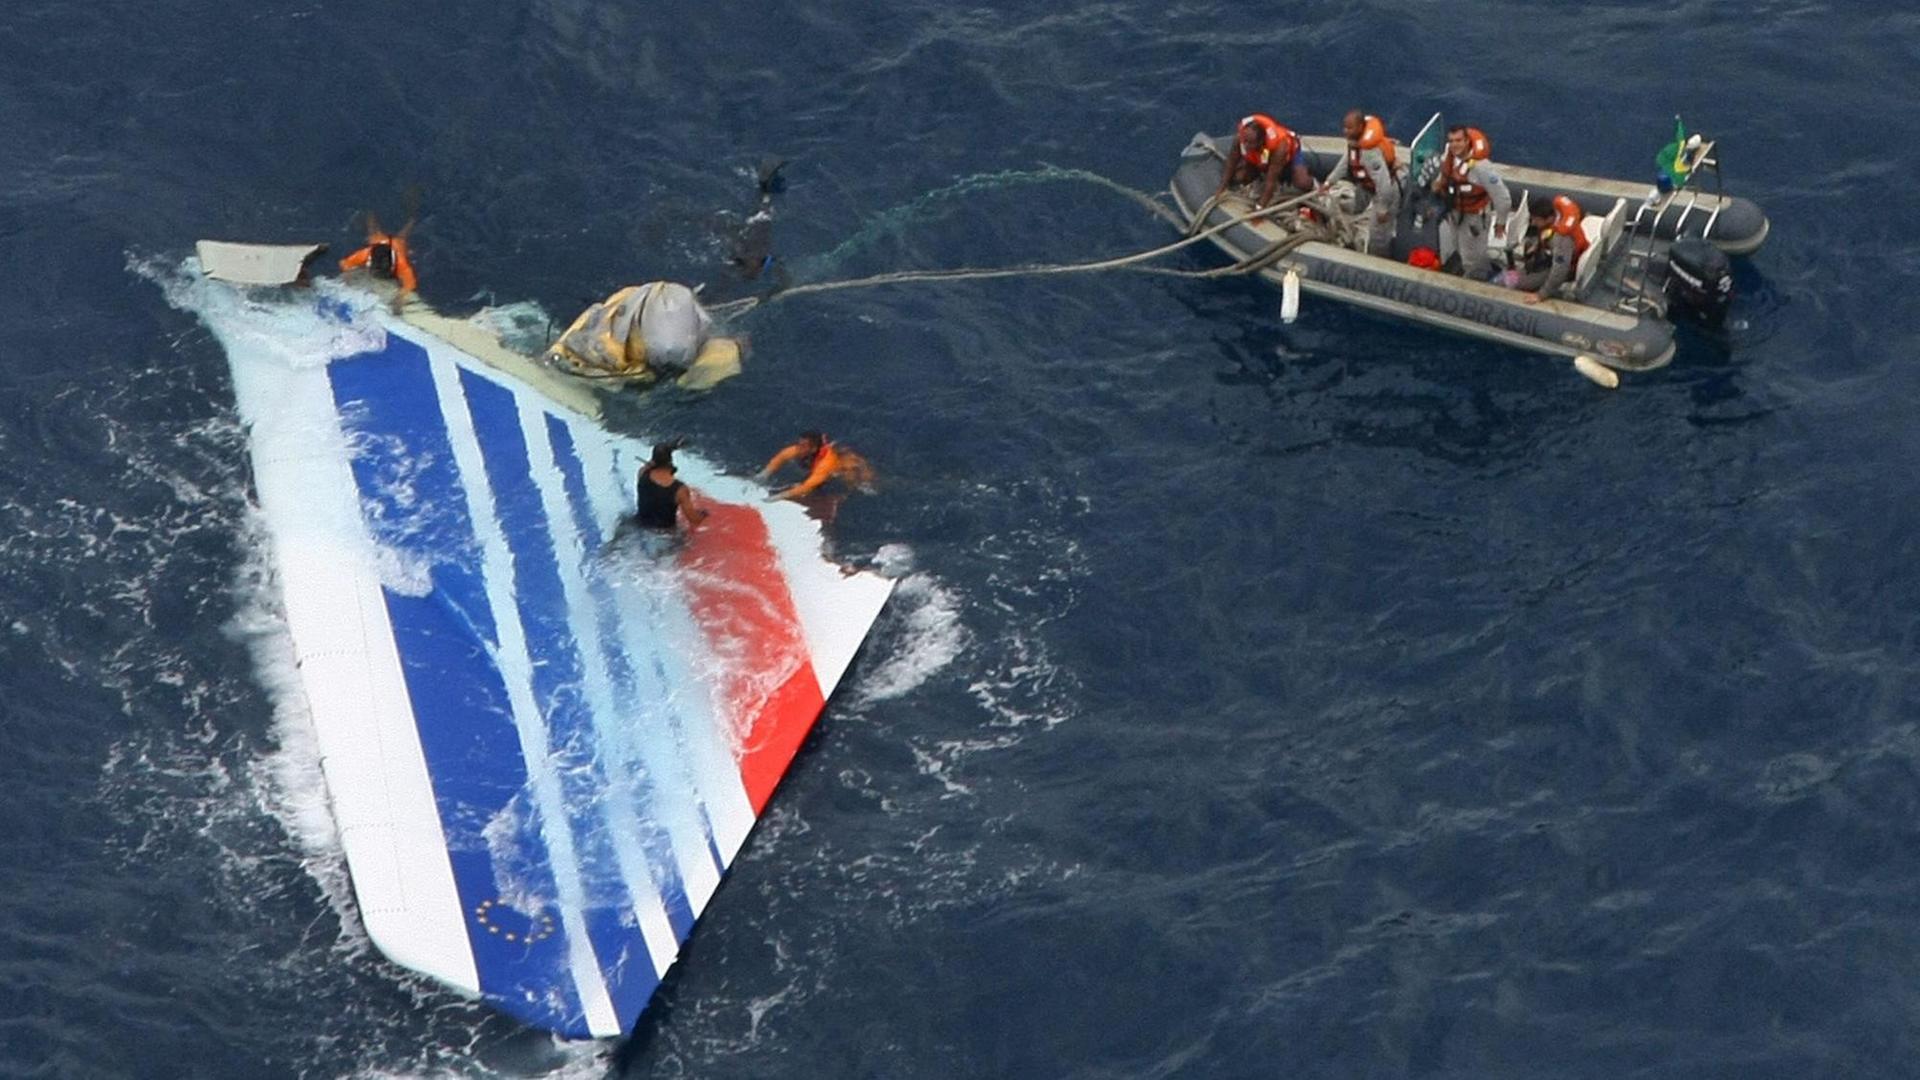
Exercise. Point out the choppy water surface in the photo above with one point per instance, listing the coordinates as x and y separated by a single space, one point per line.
1334 700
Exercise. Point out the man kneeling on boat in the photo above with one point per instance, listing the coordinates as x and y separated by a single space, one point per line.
1265 150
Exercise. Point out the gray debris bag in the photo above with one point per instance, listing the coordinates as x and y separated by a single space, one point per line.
642 331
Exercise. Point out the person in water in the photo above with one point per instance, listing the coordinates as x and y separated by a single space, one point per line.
751 250
662 497
1265 150
385 256
824 459
1371 165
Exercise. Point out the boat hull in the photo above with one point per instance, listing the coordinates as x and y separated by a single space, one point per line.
1634 342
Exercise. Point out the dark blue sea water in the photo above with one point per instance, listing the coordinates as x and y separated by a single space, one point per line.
1333 700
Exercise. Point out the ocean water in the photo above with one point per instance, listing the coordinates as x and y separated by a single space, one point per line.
1339 699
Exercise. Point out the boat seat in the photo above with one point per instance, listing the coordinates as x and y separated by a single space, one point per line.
1591 226
1613 227
1517 225
1603 235
1517 221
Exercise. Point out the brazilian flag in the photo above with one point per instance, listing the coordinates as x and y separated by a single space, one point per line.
1672 159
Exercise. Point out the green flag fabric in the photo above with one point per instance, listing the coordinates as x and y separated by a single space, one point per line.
1672 159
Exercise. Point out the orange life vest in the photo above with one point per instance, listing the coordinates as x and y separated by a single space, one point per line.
402 270
1462 194
1566 222
1275 139
1373 136
827 461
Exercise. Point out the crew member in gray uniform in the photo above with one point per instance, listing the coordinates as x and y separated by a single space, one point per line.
1370 164
1557 253
1469 187
1546 260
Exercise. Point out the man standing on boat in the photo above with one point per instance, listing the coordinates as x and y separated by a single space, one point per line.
1469 186
1264 149
1371 165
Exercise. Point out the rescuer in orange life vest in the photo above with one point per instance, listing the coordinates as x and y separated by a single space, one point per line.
1470 188
1556 257
1534 257
824 460
1265 149
1373 167
385 256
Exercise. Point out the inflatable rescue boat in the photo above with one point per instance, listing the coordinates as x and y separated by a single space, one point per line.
1653 255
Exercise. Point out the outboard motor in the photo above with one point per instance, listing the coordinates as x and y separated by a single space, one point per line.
1699 280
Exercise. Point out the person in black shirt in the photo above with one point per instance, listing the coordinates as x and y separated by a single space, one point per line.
662 497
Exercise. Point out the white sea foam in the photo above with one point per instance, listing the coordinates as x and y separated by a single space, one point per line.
252 325
920 634
524 327
285 781
529 1056
295 791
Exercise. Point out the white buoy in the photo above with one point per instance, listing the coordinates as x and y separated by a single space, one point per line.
1596 371
1290 297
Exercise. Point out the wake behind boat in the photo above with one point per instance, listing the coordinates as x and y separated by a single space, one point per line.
1651 255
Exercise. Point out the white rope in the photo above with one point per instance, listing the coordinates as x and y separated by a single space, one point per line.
1297 236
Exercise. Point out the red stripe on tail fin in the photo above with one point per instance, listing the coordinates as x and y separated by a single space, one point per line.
766 687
